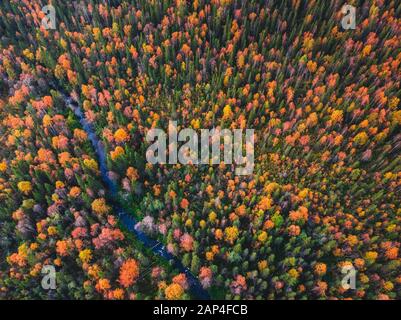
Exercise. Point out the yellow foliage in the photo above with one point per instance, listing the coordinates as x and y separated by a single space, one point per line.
174 291
91 164
262 236
25 186
99 206
85 255
231 234
3 166
121 135
361 138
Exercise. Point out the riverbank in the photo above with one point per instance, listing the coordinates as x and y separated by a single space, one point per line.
127 219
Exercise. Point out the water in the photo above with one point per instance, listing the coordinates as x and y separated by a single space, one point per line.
126 219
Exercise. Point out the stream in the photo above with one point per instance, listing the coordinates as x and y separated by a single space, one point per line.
127 219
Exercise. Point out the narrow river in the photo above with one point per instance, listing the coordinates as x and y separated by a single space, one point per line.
127 219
